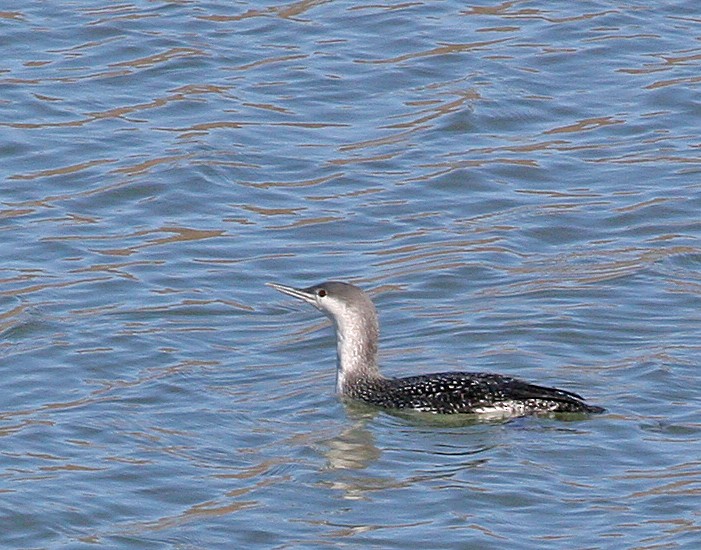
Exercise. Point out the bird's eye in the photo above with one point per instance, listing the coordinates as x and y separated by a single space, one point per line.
321 293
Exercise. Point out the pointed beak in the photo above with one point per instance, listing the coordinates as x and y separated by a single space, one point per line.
299 293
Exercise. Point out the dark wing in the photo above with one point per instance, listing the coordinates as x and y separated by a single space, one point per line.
466 392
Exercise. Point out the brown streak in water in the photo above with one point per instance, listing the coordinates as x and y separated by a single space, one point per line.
672 82
205 127
445 49
199 89
15 212
234 261
269 61
226 163
44 286
62 171
294 9
503 10
75 219
585 125
21 425
359 160
120 112
311 221
646 70
675 488
643 160
355 193
71 468
303 183
437 112
20 81
268 107
181 234
644 204
230 18
387 7
42 97
448 167
46 202
528 148
14 312
159 58
311 125
117 112
15 15
387 140
572 194
499 9
130 17
682 60
116 268
583 17
285 11
147 165
27 275
99 310
205 509
272 211
94 350
83 46
499 29
112 9
254 471
8 319
189 234
617 37
232 303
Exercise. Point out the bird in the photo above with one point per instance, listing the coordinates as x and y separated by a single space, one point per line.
358 375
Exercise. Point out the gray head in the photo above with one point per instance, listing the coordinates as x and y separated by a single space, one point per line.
335 299
355 318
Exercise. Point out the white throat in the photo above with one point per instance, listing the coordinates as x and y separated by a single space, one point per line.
356 347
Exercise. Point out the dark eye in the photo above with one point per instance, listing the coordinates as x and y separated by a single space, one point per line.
321 293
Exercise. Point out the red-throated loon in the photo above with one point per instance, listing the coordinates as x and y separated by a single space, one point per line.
358 377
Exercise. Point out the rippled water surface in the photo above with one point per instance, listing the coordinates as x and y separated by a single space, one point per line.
517 184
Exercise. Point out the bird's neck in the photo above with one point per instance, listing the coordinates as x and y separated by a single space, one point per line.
356 344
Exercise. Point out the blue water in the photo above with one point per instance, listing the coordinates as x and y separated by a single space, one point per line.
518 186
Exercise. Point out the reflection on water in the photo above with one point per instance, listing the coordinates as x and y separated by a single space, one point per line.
515 183
353 449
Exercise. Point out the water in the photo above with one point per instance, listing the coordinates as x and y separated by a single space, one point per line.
516 184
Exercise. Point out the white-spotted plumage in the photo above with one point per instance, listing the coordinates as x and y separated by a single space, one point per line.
358 375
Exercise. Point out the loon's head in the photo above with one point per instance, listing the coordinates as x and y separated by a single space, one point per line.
345 303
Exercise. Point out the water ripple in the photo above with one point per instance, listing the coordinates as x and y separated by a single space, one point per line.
514 184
